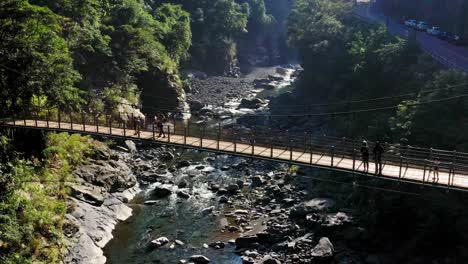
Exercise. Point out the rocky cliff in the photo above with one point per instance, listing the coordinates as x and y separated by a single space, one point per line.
97 203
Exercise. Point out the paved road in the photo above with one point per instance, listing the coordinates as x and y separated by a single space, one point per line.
452 56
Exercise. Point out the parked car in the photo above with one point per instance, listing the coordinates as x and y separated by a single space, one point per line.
444 35
411 23
434 31
422 26
456 40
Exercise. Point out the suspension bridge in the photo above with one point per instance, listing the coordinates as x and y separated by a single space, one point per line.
402 163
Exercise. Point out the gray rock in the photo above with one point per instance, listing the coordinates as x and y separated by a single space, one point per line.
182 184
275 78
208 210
233 188
251 103
196 105
161 191
183 163
150 202
312 206
269 260
257 181
223 199
110 174
89 194
159 242
131 146
323 250
246 241
199 259
183 194
240 183
217 245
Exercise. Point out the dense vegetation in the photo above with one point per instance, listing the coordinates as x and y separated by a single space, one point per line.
346 60
91 54
33 195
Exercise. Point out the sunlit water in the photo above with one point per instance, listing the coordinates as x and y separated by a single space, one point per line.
177 218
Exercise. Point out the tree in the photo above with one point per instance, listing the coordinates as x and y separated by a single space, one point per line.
34 57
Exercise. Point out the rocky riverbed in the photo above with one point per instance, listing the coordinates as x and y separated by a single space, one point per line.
204 208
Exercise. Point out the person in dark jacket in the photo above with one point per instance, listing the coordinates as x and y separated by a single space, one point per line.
378 152
365 155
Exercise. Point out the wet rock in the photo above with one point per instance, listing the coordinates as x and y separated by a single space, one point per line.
159 242
257 181
183 194
246 241
183 163
223 199
275 78
269 260
240 183
241 212
208 210
161 191
130 146
178 242
182 184
214 187
199 259
251 103
217 245
150 202
247 260
323 250
232 188
222 191
167 156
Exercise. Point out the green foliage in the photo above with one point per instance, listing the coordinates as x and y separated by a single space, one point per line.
33 200
34 57
345 59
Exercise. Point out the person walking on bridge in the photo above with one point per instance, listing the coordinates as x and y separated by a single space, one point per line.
160 125
365 155
378 152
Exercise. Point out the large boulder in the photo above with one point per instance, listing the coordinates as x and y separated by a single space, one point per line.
233 188
251 103
246 241
161 191
257 181
112 175
90 194
196 105
312 206
275 78
323 250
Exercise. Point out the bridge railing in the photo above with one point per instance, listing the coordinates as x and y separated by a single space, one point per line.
403 156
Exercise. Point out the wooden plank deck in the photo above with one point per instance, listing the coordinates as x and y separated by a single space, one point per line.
411 173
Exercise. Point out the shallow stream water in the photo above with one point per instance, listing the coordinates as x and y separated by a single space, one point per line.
180 219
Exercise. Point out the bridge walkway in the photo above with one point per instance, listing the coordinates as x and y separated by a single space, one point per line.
321 154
